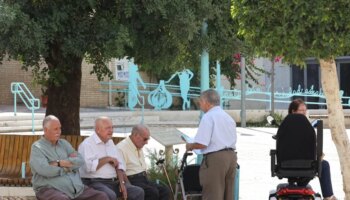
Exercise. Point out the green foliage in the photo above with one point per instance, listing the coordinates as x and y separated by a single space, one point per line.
162 35
277 116
119 99
59 32
156 173
166 34
230 67
20 36
294 29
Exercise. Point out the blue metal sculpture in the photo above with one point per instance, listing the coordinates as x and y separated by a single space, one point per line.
185 77
160 98
133 93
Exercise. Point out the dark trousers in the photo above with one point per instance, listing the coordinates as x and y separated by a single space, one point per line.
152 190
111 188
108 187
325 180
54 194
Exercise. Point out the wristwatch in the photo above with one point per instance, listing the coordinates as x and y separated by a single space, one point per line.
58 163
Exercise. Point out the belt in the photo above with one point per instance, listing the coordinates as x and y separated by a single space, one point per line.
138 175
224 149
100 179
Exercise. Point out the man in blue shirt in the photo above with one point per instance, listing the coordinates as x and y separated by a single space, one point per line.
216 138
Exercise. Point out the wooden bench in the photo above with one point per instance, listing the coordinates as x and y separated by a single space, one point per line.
15 150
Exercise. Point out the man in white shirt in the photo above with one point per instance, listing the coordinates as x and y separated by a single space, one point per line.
131 150
103 164
216 138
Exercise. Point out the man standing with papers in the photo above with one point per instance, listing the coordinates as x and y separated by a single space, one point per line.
216 138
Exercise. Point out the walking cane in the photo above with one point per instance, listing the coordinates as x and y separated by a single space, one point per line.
161 162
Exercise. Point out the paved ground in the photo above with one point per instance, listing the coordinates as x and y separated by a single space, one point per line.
253 149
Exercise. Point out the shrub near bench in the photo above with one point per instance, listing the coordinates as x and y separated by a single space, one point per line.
15 149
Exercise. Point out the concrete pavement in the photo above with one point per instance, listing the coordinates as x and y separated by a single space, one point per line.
253 149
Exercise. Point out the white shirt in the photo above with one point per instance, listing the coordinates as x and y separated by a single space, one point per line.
92 149
133 157
217 130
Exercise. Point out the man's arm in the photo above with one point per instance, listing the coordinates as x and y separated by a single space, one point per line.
107 160
92 162
74 160
40 164
191 146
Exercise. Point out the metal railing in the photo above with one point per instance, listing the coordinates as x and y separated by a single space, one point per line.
32 103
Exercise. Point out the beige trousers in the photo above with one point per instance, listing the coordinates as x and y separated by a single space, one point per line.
217 175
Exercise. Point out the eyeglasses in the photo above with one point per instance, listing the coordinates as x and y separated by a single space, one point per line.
145 139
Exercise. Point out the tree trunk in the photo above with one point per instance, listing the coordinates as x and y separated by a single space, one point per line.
330 86
64 98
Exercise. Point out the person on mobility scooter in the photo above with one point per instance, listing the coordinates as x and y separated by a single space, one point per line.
297 157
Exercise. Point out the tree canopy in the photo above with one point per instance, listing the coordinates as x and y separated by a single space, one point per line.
161 36
294 29
166 35
297 30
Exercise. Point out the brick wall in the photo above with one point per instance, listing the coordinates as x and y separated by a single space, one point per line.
90 95
10 71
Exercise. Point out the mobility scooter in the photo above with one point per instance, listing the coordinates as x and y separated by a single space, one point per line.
297 157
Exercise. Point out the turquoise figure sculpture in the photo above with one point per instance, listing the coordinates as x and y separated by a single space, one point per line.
185 77
160 98
134 94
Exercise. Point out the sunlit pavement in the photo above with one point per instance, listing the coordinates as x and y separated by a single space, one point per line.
253 149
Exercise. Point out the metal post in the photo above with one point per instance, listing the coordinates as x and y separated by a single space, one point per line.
15 100
218 75
143 110
272 105
23 170
218 81
110 104
33 121
204 62
243 89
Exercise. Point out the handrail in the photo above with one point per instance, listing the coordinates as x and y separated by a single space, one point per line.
32 103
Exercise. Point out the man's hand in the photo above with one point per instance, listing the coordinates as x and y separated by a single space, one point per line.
66 163
102 161
114 162
63 163
189 147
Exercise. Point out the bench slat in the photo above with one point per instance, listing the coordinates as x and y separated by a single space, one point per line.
2 153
